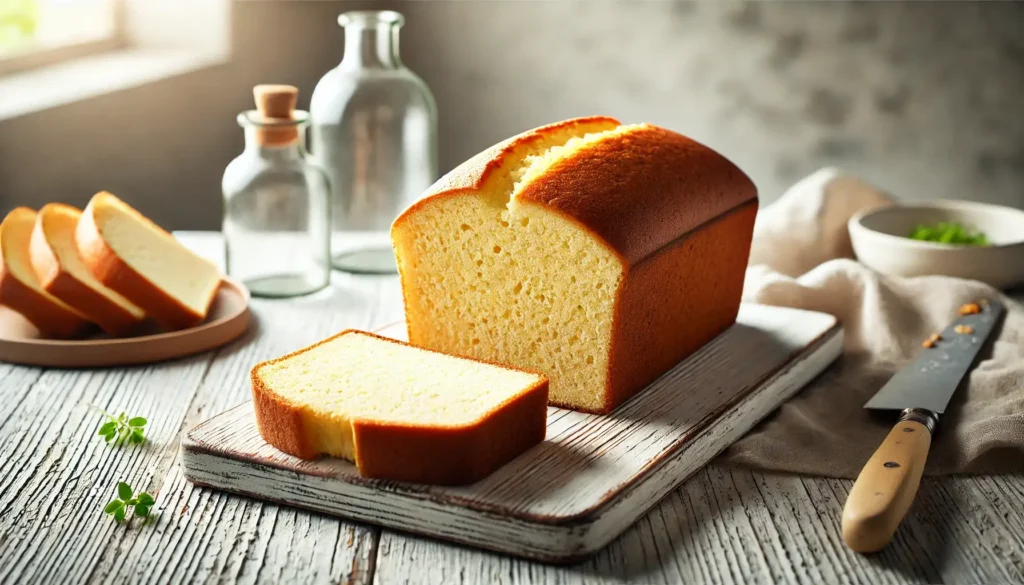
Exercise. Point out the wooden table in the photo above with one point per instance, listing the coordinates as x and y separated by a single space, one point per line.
723 525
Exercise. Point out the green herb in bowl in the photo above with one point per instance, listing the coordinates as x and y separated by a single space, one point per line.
949 233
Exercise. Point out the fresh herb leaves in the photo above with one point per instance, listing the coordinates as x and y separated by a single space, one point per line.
116 430
949 233
120 428
140 503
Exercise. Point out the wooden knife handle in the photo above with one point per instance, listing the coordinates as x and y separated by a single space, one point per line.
887 485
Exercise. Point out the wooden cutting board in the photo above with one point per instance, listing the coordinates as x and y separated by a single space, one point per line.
585 484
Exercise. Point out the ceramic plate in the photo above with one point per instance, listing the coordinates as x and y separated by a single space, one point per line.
21 343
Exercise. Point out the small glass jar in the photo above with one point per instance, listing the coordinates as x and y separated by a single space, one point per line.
375 134
276 210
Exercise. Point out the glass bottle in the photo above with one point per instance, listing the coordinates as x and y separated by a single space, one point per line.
374 130
276 204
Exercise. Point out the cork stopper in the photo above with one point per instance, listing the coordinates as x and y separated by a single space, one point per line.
276 103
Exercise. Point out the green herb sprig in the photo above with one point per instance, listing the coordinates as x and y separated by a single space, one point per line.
120 428
949 233
127 498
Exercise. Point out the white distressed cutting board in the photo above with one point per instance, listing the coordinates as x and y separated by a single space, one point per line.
590 479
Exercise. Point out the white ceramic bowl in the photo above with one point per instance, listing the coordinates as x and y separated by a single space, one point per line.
879 241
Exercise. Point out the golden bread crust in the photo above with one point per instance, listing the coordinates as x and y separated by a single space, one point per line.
641 190
52 320
44 259
280 421
110 316
453 456
472 174
117 275
424 454
677 300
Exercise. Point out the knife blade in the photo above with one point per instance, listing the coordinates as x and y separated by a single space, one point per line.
929 381
886 486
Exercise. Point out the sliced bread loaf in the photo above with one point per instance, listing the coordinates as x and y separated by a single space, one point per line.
20 288
63 274
143 263
397 411
597 253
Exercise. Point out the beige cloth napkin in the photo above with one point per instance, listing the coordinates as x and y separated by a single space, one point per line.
802 258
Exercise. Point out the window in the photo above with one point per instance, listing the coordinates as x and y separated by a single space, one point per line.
35 33
55 52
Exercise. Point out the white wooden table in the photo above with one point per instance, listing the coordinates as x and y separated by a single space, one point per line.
724 525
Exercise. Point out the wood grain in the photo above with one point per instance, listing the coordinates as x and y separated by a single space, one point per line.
736 526
722 526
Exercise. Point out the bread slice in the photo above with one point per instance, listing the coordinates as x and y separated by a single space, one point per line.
20 288
397 411
597 253
143 263
63 274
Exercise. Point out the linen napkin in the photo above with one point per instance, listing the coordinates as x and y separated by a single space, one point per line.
802 257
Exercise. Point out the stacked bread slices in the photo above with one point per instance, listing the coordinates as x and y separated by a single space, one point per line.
66 270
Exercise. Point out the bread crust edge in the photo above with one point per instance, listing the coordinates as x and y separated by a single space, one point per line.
114 273
51 320
431 454
65 286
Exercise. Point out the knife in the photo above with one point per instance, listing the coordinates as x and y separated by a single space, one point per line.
888 483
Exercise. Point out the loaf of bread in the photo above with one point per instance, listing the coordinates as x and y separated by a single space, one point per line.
20 289
130 254
398 412
597 253
62 273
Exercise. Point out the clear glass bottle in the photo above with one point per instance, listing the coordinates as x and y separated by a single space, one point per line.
276 210
374 130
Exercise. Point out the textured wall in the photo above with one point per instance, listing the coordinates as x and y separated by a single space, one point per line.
926 99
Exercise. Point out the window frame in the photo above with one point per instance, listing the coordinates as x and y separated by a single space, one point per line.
34 58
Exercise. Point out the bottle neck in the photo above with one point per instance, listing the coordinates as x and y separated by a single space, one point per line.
371 46
255 145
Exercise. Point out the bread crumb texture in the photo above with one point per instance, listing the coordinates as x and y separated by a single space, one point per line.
517 268
156 254
356 376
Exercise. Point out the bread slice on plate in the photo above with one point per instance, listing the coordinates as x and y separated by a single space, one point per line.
143 263
20 289
63 273
397 411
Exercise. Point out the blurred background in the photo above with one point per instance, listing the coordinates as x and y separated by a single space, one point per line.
139 97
